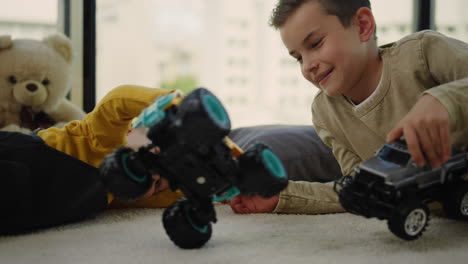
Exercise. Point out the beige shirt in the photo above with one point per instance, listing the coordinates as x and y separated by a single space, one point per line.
424 62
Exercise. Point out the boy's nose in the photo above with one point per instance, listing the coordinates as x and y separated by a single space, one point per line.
310 68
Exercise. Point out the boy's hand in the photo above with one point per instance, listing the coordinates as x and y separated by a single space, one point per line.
243 204
426 130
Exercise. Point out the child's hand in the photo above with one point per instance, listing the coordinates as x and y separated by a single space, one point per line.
159 184
426 130
243 204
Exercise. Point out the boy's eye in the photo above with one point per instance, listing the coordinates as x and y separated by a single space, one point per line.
299 59
316 43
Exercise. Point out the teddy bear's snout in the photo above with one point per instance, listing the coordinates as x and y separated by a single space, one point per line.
32 87
30 93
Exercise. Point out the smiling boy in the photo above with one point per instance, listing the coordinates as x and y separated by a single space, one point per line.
416 87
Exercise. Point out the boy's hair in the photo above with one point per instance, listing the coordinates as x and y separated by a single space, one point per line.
343 9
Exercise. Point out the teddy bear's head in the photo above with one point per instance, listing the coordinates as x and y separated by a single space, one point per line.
34 73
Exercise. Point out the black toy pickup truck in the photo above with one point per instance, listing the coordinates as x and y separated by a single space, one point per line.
391 186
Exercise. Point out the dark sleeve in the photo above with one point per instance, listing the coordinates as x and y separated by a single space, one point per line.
304 155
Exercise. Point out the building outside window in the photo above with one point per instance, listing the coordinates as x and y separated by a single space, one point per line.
451 19
228 48
189 43
36 21
224 45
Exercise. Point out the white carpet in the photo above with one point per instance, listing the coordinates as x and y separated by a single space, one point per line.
137 236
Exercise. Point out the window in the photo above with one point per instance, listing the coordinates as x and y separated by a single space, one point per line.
450 18
394 156
394 19
36 21
229 47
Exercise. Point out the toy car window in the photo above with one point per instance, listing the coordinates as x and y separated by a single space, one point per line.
394 156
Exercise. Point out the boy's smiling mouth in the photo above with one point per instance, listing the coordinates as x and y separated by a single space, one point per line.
322 77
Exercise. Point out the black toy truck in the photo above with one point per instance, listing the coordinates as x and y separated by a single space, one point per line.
196 157
391 186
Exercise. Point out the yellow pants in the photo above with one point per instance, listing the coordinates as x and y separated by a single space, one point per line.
105 129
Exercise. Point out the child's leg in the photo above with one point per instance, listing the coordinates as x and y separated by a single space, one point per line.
105 128
32 195
15 195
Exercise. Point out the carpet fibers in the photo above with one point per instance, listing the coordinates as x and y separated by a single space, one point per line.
137 236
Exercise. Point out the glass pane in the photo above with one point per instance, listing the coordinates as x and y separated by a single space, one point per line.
394 155
36 21
451 19
394 19
223 45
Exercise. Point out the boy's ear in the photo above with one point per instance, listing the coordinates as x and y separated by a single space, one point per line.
365 22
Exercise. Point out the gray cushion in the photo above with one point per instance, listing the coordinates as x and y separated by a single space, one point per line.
304 155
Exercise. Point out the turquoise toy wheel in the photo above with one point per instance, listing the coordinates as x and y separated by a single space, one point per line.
261 172
123 175
273 164
203 118
180 227
216 110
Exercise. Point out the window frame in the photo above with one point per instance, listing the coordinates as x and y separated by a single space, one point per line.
423 14
77 20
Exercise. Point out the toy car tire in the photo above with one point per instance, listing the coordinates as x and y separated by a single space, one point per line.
204 118
261 172
181 230
411 221
116 176
346 196
456 203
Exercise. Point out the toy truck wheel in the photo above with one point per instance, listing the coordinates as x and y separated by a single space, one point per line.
346 195
203 118
456 203
181 229
410 222
261 172
124 175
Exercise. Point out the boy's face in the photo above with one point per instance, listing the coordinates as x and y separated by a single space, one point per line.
331 56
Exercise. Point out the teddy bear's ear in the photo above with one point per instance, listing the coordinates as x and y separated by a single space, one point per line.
5 42
61 44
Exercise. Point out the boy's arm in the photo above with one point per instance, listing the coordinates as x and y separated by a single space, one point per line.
345 157
314 197
302 197
443 108
447 62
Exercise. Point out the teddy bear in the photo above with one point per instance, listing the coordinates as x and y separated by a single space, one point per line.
35 78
